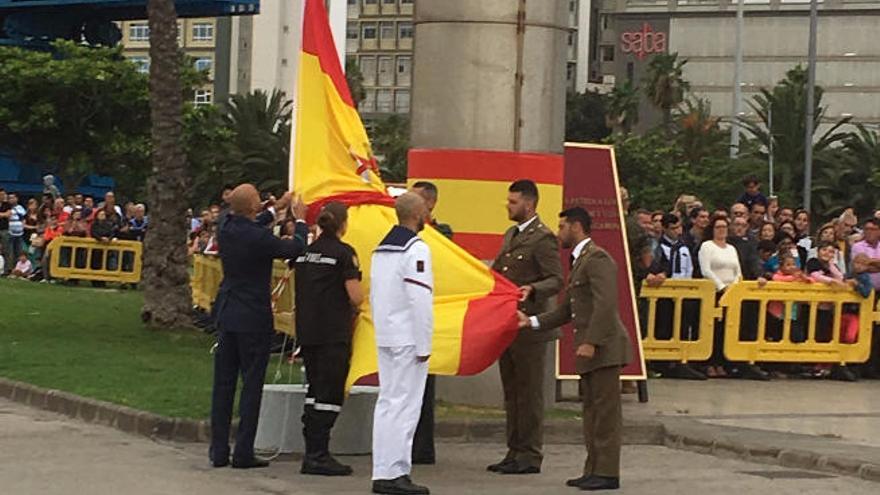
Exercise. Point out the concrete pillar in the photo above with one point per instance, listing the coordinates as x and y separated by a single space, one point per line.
489 75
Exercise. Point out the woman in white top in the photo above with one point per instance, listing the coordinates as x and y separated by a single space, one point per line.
719 263
718 259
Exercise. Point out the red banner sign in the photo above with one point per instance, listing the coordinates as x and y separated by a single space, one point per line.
591 183
644 42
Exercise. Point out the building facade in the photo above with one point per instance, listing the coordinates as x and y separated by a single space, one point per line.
379 39
198 39
775 39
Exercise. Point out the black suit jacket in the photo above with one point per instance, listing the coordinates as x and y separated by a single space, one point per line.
247 251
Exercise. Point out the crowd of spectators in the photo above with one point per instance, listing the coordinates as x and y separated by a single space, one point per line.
756 238
29 225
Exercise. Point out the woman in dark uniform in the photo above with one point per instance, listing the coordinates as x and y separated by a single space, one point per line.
328 293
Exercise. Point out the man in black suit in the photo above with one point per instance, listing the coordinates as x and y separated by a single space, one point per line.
243 313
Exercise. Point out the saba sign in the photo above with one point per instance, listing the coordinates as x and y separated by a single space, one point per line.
643 41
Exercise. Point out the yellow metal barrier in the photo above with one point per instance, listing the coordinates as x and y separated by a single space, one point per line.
83 258
676 348
205 280
205 283
807 298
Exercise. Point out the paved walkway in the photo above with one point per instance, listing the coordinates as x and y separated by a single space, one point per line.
846 411
46 454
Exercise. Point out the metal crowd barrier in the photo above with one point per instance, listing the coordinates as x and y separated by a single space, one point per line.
684 344
749 335
83 258
205 281
806 299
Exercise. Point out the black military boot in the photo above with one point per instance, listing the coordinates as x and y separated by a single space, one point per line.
324 464
318 460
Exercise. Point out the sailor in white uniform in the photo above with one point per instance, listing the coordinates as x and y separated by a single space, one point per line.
401 298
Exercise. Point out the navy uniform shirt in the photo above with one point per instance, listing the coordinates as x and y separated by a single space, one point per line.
324 314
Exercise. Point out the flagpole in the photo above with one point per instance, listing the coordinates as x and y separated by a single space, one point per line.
299 8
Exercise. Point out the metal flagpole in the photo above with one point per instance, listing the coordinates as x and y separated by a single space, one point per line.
811 104
737 81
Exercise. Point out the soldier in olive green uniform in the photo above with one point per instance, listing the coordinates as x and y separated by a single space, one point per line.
530 259
602 347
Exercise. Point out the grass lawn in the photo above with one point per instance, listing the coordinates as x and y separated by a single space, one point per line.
91 342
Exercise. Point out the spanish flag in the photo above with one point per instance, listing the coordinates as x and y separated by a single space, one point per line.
474 308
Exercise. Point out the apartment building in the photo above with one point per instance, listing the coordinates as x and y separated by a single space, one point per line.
198 39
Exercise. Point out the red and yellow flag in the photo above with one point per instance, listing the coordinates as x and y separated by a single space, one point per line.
474 308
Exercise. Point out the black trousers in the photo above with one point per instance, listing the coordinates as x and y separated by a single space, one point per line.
690 319
423 441
327 368
245 353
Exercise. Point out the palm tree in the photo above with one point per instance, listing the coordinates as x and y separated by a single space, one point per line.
586 117
390 138
167 297
261 124
786 104
698 132
851 176
623 107
665 85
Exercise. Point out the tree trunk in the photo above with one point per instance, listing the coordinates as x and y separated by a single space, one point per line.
167 297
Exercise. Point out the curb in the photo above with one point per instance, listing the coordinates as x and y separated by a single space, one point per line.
155 426
99 412
766 454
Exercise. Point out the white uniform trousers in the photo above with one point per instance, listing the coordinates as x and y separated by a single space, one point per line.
401 386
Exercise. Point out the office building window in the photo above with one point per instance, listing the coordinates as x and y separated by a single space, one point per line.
386 31
139 31
389 2
203 97
203 31
369 31
406 2
351 32
370 2
401 101
142 64
384 101
204 64
405 29
404 71
386 71
607 52
367 66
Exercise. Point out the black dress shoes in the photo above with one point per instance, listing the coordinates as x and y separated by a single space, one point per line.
219 463
401 485
324 465
517 468
577 482
252 463
497 466
595 483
